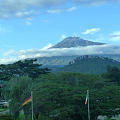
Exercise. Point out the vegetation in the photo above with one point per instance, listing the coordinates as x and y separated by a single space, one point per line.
89 64
64 60
61 96
113 74
6 117
21 68
56 60
2 109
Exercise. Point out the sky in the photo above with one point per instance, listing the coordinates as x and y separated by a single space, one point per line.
29 27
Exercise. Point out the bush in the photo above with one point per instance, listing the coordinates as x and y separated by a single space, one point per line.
41 117
21 117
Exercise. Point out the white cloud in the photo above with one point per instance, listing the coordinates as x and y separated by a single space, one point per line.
8 60
26 8
63 37
91 31
21 14
115 36
71 9
33 53
55 11
28 21
46 47
75 34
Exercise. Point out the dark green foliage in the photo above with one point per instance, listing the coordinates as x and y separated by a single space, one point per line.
89 64
42 117
61 96
16 90
109 98
113 74
6 117
21 68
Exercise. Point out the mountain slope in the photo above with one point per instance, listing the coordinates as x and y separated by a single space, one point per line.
64 60
75 42
95 65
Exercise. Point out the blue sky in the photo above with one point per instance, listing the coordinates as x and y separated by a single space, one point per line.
38 24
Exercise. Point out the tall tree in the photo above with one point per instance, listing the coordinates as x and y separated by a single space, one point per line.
22 68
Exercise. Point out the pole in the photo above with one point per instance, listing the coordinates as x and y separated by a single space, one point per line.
32 105
88 105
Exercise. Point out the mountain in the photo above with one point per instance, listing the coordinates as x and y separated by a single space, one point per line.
89 64
75 42
57 62
64 60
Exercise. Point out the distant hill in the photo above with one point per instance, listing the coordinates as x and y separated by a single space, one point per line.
64 60
56 60
89 64
75 42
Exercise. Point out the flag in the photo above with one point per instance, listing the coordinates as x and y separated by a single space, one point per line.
27 100
87 97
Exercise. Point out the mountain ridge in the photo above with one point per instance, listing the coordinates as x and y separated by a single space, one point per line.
89 64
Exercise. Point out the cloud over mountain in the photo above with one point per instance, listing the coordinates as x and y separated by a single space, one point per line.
13 56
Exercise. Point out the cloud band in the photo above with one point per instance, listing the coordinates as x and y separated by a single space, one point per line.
26 8
34 53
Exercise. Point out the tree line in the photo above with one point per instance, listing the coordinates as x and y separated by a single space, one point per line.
59 96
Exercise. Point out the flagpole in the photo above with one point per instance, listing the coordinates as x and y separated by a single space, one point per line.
88 105
32 105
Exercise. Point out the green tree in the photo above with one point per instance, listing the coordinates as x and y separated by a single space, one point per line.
16 91
66 101
22 68
113 74
58 97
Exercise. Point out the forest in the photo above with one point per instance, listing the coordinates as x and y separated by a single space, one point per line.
60 95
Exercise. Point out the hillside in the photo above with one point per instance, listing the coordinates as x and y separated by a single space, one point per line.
74 42
89 64
64 60
56 60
